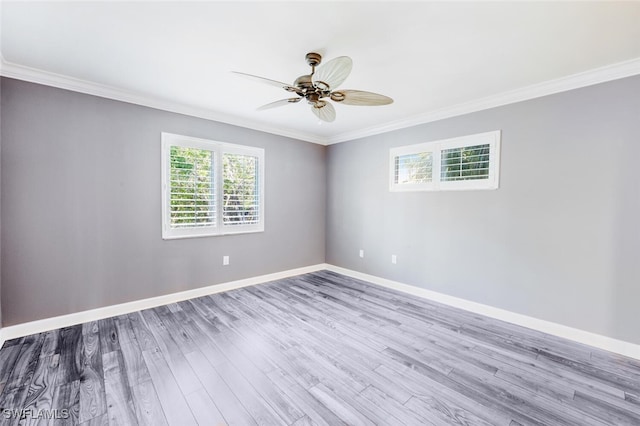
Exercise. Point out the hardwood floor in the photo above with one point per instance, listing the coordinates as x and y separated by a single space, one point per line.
317 349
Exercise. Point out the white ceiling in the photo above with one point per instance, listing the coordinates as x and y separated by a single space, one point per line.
429 56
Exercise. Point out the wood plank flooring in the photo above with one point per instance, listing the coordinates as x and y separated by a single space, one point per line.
317 349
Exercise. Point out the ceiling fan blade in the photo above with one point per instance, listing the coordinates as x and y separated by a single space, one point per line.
360 97
324 111
281 102
285 86
333 73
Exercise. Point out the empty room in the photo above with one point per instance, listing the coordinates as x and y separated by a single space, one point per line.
319 213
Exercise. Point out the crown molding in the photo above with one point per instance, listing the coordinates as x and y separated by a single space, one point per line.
563 84
33 75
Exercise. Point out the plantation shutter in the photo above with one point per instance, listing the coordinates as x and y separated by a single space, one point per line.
465 163
210 188
241 191
192 188
413 168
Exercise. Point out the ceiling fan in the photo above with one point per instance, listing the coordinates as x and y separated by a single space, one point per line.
320 86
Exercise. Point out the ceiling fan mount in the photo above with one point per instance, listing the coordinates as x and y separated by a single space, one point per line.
313 59
321 84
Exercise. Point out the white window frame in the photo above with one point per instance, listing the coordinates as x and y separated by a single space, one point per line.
219 149
436 148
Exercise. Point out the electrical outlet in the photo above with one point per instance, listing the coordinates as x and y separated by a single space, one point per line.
225 260
394 259
361 253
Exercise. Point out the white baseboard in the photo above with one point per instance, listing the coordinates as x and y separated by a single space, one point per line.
603 342
28 328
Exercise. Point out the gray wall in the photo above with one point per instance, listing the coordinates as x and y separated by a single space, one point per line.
80 208
559 240
81 218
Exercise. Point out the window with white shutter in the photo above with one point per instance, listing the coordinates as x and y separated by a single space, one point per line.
413 168
210 188
468 162
241 194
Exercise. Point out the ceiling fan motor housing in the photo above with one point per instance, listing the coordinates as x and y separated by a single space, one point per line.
312 97
303 82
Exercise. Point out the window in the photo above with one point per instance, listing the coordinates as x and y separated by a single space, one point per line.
210 188
468 162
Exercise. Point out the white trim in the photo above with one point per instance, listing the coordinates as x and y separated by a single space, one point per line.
28 328
592 339
33 75
575 81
